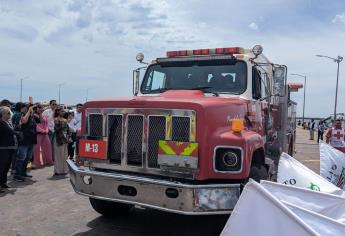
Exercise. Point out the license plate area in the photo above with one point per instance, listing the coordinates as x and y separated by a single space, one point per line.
178 154
96 149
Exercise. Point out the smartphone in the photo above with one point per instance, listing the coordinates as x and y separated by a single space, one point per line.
31 101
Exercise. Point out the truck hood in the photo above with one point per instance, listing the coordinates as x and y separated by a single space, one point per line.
174 99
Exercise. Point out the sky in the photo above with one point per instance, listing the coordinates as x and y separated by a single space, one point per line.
88 47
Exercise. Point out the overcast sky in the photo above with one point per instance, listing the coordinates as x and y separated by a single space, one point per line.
92 44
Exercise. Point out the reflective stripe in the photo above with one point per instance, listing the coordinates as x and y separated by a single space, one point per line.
189 149
178 148
168 127
164 146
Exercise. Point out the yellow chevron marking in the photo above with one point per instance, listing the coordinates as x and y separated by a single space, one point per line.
188 150
166 148
168 127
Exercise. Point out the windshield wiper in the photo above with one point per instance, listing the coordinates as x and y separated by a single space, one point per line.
205 89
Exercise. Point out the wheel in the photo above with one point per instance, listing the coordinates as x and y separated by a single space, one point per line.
110 209
258 173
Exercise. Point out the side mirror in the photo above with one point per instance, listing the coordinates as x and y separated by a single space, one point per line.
279 80
136 77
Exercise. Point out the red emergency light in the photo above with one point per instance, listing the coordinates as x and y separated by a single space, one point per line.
177 53
196 52
201 52
235 50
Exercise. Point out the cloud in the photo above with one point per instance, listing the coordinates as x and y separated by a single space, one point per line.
253 26
339 18
93 43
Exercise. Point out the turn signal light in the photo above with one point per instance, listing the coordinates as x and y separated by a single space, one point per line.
237 125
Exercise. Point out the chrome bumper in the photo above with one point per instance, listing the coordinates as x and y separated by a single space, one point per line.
163 195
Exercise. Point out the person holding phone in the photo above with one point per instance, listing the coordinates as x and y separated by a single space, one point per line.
26 123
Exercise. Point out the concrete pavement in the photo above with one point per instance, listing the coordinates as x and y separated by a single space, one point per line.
47 205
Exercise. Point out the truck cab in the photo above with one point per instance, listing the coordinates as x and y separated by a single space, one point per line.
200 124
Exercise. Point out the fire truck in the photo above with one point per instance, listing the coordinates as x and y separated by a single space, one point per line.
200 124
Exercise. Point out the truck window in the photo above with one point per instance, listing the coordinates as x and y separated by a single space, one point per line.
256 85
156 80
218 76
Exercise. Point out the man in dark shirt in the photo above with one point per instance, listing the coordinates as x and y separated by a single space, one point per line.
26 122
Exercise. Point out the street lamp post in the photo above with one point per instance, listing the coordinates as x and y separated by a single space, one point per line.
337 60
305 88
87 94
60 91
21 89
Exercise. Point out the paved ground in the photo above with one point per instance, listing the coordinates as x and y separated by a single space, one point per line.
48 206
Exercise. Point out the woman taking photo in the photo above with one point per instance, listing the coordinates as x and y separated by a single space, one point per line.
62 138
7 145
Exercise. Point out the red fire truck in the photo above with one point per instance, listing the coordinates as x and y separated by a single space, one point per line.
200 124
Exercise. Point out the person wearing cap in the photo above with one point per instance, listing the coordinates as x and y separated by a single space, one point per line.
7 145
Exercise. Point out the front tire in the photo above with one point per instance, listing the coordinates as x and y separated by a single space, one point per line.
110 209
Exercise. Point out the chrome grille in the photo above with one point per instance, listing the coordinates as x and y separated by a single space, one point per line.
157 128
180 129
96 125
135 131
114 138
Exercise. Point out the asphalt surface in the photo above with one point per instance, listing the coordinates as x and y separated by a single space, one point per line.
47 205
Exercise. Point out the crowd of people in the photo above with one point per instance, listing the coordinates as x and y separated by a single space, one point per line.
335 136
31 133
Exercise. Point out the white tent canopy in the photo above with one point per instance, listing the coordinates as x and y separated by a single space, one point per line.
325 204
292 172
259 212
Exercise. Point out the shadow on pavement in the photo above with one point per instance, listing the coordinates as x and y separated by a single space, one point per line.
8 191
151 222
58 177
16 184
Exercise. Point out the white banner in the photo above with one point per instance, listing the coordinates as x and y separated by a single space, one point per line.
332 165
326 204
259 212
292 172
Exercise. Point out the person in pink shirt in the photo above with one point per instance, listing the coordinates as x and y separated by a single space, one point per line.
43 141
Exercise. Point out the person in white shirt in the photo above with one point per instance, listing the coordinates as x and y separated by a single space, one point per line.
77 118
72 126
50 114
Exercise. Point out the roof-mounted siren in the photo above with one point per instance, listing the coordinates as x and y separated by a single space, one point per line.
257 50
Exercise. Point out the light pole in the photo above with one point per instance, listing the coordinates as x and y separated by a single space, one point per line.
337 60
305 88
87 94
60 91
21 88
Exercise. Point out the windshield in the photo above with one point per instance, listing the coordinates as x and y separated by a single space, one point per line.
229 77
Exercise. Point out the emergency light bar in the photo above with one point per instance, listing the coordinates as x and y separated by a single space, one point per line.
199 52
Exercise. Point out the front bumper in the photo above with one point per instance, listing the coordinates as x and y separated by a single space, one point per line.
163 195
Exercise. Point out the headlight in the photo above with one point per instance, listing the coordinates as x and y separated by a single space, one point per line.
228 159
